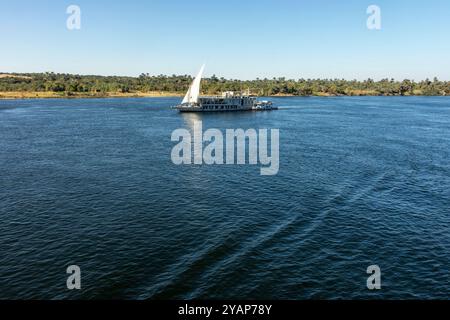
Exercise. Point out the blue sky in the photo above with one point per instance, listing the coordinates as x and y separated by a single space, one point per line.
242 39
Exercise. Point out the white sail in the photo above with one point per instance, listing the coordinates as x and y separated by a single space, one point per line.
186 97
194 90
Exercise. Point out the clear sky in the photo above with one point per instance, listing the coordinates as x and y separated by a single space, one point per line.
242 39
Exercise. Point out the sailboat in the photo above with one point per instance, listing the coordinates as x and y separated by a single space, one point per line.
193 93
228 101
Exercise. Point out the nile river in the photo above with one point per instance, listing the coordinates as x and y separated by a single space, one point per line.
362 181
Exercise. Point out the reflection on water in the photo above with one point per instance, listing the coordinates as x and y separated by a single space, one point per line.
190 118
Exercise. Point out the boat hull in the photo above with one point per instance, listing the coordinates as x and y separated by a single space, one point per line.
200 109
184 108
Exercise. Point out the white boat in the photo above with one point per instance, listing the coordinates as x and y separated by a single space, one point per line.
264 105
228 101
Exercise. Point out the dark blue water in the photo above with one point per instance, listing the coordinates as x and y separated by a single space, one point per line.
362 181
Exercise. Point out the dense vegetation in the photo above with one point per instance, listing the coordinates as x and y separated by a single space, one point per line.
76 84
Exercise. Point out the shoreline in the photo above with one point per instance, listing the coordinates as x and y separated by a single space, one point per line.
72 86
17 95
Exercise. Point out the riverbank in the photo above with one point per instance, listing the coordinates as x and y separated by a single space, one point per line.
17 95
80 95
51 85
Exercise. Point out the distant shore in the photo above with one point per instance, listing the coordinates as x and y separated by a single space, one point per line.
53 85
14 95
17 95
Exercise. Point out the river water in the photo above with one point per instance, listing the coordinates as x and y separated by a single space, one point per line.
362 181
